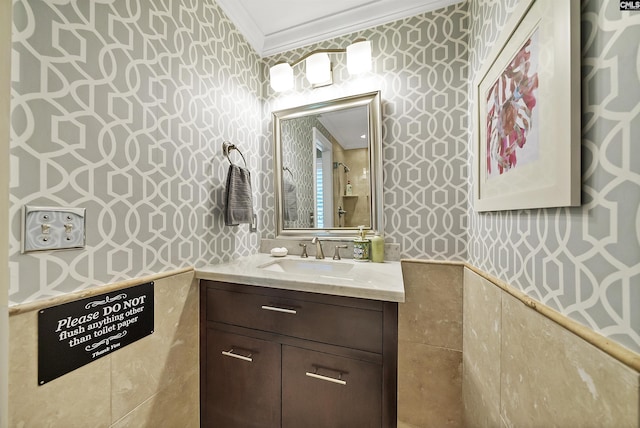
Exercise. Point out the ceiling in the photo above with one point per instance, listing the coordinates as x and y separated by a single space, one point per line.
275 26
348 127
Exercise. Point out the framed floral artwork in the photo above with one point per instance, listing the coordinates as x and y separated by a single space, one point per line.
527 111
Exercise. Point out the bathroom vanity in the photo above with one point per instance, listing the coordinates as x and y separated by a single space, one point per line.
278 351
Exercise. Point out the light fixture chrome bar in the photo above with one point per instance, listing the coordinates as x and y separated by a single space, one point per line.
299 60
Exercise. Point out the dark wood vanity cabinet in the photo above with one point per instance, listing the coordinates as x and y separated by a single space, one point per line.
280 358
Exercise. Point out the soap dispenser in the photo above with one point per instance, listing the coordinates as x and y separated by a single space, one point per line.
361 246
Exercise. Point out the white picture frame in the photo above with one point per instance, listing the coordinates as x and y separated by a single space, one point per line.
527 111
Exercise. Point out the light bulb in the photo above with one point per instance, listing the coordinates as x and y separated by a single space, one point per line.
281 77
359 57
318 68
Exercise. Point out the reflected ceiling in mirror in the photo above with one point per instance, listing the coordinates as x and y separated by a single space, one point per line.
328 167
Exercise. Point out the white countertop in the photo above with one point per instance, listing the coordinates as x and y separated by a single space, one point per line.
377 281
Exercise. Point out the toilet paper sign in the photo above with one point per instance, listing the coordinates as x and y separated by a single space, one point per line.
76 333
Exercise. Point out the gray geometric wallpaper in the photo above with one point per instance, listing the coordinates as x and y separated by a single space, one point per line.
121 107
583 261
299 159
296 133
420 67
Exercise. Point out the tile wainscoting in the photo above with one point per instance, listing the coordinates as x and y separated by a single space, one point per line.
430 346
151 382
476 352
521 369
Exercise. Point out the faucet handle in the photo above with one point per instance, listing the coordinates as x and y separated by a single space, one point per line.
304 254
336 251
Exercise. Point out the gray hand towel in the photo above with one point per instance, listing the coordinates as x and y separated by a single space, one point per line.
238 197
290 202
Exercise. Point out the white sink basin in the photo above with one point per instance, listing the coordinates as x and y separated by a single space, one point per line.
308 267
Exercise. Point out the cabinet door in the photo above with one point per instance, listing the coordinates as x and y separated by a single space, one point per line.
328 391
242 382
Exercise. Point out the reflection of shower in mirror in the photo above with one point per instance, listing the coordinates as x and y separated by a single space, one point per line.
346 168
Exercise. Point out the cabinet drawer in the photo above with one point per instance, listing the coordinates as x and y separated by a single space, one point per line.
346 326
327 391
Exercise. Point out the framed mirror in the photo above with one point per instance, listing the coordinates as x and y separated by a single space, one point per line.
328 167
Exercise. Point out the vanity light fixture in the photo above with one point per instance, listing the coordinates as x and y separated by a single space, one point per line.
318 66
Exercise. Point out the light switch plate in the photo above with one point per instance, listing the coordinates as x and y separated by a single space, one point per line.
52 228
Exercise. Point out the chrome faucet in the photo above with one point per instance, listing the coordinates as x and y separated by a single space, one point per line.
319 252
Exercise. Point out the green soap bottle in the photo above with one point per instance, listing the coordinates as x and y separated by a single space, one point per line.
377 248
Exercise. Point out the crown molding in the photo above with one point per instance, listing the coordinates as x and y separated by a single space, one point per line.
244 22
349 21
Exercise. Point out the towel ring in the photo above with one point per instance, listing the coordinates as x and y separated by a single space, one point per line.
227 147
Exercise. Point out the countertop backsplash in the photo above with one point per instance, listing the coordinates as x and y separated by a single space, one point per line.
391 250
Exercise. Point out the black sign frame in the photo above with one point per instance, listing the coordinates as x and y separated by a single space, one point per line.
74 334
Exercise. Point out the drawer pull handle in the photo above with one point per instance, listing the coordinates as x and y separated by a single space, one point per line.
327 378
277 309
231 354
